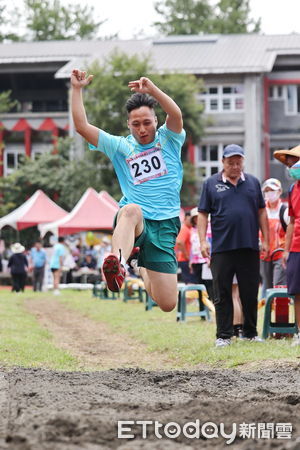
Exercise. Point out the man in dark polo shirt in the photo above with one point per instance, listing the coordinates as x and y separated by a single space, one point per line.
237 209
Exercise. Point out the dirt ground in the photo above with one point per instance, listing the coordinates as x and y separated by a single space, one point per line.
52 410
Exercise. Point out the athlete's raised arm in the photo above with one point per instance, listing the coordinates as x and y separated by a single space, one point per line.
174 117
79 80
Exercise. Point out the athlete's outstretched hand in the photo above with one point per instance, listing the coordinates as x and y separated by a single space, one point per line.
143 85
79 78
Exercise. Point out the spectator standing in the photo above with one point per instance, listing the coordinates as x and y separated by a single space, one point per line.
183 247
197 262
237 208
291 255
272 271
196 259
288 157
18 264
56 263
38 262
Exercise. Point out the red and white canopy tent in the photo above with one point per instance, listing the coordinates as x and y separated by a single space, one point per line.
38 209
92 212
108 198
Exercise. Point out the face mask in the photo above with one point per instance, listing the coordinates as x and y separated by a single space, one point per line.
295 173
272 196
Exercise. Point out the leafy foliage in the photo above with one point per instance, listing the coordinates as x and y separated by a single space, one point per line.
61 179
188 17
7 23
202 16
189 194
49 20
6 104
233 16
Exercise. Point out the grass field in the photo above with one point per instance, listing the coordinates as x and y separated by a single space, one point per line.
23 342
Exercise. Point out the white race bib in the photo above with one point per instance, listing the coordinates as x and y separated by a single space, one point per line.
147 165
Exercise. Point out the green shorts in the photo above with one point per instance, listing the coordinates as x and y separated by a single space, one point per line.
157 243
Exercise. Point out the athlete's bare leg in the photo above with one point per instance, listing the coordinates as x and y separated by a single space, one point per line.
162 288
129 226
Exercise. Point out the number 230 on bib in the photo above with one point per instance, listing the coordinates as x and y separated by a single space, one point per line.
147 165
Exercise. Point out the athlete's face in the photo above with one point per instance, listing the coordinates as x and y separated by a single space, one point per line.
142 123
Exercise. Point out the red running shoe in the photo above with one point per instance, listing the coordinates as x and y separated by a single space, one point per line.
114 273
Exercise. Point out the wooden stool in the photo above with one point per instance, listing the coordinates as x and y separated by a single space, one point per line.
181 305
270 327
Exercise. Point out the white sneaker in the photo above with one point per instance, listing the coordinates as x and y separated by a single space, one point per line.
135 267
220 342
254 339
296 340
56 292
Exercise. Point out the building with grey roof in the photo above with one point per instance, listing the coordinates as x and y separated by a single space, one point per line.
251 97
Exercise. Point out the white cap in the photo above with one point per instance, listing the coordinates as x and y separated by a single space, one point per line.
272 183
194 212
17 248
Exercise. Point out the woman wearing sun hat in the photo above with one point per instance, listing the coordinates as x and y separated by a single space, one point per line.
288 157
291 255
18 267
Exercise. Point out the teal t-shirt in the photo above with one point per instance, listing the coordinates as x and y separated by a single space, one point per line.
58 251
149 175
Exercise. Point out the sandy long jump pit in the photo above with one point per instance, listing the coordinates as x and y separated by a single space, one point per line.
134 408
139 409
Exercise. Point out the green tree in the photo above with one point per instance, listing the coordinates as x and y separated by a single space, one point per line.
203 16
61 179
49 20
188 17
7 23
6 104
233 16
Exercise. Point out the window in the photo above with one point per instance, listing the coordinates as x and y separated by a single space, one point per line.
223 98
213 152
239 103
38 148
292 99
12 158
209 160
276 92
290 93
226 104
214 104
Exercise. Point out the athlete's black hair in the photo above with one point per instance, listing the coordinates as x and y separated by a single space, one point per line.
137 100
